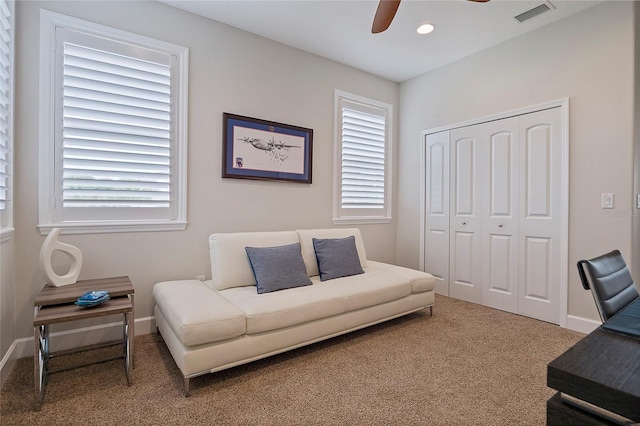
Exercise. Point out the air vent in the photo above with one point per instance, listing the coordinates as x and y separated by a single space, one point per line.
532 13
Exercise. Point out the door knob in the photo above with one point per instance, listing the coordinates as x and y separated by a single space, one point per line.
500 226
464 223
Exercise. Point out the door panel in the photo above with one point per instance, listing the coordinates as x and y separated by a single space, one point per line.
540 210
537 271
465 178
500 170
437 258
436 179
463 245
500 223
466 217
436 252
500 265
538 170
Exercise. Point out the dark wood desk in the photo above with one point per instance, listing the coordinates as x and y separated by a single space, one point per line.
56 305
603 369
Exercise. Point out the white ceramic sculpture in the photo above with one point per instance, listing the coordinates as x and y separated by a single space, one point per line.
52 244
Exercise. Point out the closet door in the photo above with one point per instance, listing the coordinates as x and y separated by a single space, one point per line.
465 216
500 150
540 215
436 252
494 215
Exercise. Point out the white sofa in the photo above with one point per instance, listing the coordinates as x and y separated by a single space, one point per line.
223 322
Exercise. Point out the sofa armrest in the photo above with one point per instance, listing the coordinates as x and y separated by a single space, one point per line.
420 281
198 314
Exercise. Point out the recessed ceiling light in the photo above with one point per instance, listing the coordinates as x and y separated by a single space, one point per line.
425 28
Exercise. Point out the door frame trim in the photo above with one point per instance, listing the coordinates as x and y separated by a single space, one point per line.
563 104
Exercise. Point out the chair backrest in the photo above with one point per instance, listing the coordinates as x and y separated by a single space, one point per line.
610 282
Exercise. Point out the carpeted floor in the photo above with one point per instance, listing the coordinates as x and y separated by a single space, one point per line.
466 365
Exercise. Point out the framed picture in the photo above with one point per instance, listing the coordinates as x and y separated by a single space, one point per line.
265 150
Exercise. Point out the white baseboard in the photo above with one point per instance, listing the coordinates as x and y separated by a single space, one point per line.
7 363
582 325
24 347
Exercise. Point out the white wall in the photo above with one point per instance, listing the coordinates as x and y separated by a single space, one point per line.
7 308
230 71
588 58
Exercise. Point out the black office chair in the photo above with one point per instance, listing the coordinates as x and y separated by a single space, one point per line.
610 282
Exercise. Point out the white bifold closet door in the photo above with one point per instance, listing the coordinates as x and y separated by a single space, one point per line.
540 221
484 222
465 242
437 210
500 214
492 233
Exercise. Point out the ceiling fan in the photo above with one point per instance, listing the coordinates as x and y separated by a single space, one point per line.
387 10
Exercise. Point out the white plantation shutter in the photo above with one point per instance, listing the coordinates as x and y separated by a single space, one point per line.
6 96
363 159
362 156
113 132
116 129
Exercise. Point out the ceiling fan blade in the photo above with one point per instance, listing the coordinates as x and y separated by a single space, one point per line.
384 15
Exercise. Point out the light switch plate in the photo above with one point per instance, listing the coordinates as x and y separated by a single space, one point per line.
607 200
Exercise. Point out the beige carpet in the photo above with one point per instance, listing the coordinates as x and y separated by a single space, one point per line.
466 365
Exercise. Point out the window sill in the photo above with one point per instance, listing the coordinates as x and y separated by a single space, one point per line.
113 227
360 220
6 234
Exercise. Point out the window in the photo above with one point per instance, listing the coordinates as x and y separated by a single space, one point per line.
362 154
113 129
6 117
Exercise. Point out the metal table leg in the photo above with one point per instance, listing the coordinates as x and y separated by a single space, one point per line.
132 330
41 361
127 345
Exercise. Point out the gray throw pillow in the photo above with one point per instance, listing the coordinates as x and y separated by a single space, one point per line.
278 268
337 257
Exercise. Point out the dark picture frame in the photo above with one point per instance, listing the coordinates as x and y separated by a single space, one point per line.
265 150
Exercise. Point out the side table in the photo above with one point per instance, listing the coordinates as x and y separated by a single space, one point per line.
600 375
55 305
